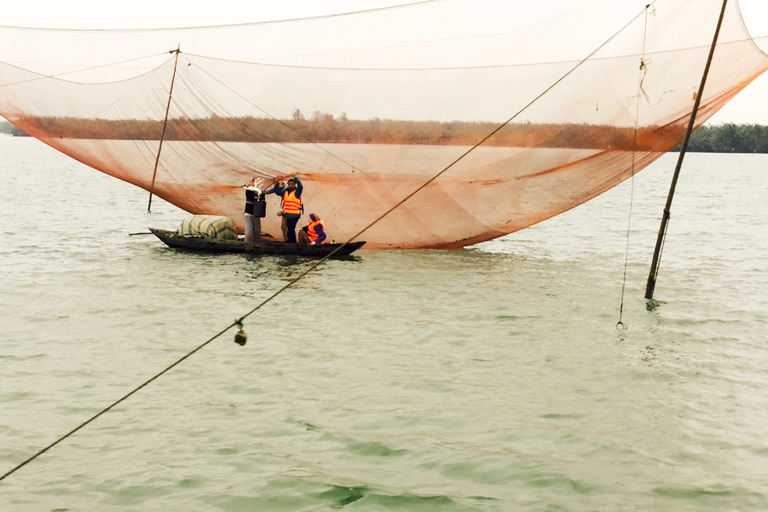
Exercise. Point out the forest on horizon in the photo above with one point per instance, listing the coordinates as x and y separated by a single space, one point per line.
723 138
729 138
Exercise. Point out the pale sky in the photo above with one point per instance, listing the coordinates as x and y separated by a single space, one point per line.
751 106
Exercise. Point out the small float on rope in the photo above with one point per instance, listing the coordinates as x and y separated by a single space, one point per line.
216 234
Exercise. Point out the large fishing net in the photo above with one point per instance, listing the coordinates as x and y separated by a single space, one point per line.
576 95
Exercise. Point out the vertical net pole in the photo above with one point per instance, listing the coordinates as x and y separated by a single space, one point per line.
177 51
651 284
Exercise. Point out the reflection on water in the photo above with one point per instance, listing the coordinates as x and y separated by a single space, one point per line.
490 378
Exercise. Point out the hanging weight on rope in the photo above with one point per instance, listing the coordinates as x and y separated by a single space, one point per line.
240 336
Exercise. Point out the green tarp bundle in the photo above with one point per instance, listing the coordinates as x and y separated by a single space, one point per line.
208 226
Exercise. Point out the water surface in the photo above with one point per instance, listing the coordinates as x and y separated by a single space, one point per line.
487 379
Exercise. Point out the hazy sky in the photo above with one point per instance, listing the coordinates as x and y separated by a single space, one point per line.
751 106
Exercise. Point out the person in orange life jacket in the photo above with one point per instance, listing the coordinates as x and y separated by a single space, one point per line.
314 232
293 206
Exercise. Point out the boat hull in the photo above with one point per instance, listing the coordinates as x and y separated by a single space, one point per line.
176 241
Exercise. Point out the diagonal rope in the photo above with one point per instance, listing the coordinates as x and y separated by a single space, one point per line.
314 266
113 405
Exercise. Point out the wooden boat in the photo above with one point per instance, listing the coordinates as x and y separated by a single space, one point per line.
200 244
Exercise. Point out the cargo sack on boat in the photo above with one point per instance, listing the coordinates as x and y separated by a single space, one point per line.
208 226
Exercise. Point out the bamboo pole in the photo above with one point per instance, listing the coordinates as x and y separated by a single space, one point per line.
651 285
177 51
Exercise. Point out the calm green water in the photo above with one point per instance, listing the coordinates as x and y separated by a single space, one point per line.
486 379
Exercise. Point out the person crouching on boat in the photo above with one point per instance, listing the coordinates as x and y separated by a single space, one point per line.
293 206
314 232
255 209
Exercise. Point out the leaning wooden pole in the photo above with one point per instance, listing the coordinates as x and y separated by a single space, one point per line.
651 285
177 51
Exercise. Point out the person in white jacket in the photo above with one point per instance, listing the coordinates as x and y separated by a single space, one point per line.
255 207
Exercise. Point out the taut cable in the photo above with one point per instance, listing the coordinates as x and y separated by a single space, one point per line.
239 321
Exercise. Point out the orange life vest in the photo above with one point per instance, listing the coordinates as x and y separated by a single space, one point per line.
291 203
311 230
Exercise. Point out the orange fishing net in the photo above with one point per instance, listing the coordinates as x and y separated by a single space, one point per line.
366 107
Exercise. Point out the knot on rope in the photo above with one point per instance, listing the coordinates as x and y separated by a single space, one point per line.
644 69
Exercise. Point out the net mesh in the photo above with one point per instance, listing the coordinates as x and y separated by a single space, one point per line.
367 107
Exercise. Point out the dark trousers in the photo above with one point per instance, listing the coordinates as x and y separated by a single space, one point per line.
291 224
252 228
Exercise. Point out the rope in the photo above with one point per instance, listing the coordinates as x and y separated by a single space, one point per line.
239 321
661 247
620 325
125 397
649 9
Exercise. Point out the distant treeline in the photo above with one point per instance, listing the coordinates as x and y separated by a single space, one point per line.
324 128
729 138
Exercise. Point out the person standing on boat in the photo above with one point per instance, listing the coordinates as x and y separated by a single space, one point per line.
255 209
293 206
314 232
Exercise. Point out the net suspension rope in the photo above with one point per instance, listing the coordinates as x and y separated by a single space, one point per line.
239 322
649 11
